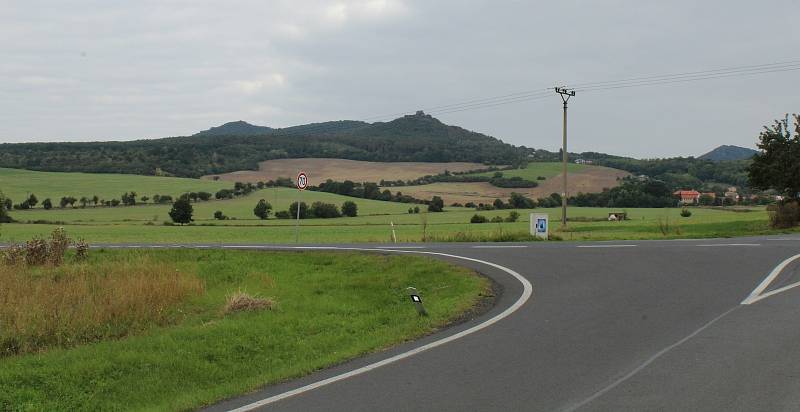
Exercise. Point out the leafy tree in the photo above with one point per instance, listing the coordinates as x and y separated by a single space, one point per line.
95 200
350 208
114 202
4 218
476 218
303 210
7 203
144 199
204 196
262 209
498 204
513 216
518 201
47 204
436 204
706 200
219 215
776 166
324 210
83 201
32 200
181 211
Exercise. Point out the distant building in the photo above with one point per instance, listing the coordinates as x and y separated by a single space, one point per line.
688 197
732 194
583 161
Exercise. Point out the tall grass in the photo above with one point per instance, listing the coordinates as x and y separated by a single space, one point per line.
45 307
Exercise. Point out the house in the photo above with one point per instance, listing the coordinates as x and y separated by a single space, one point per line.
688 196
732 194
583 161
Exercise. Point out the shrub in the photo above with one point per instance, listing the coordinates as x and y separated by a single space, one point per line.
262 209
436 204
325 210
181 211
303 210
513 216
518 201
497 219
784 215
416 209
219 215
469 204
14 254
410 210
686 212
283 214
59 243
241 301
81 250
350 209
476 218
498 204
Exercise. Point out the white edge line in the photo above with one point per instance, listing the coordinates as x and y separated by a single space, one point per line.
498 246
604 246
526 294
755 295
729 244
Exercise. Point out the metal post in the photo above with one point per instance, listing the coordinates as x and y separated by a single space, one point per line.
297 223
565 95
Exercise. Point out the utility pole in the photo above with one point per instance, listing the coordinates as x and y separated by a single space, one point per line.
565 95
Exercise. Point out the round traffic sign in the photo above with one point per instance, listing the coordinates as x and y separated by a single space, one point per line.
302 181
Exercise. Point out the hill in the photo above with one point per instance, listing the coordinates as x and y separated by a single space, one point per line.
413 138
729 152
237 128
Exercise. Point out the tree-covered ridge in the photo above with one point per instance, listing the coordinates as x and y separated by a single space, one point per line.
414 138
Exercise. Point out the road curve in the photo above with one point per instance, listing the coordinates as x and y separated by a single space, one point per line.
649 325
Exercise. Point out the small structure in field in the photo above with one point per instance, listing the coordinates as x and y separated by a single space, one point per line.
617 216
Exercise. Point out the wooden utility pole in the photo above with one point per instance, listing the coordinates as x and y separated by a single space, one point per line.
565 95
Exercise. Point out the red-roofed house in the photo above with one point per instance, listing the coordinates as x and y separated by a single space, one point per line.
688 196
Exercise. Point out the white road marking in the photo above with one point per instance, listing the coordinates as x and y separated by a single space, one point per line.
602 246
782 239
729 244
401 247
646 363
526 294
756 295
498 246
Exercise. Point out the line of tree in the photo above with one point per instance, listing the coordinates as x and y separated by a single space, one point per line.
319 210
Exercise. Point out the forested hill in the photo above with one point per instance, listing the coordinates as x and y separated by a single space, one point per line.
728 152
419 138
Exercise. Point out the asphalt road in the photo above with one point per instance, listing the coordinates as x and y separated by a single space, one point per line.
610 326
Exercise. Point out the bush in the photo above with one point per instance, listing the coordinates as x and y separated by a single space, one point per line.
518 201
497 219
476 218
181 211
262 209
325 210
241 302
350 209
686 212
436 204
513 216
283 214
784 215
303 210
219 215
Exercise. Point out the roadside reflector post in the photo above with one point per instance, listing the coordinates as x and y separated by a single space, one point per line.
414 295
394 235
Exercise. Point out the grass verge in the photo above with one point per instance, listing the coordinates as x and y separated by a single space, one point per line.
325 308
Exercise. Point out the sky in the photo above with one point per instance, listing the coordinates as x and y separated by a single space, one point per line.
123 70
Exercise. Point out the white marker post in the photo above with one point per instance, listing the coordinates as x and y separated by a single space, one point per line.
302 184
414 295
540 225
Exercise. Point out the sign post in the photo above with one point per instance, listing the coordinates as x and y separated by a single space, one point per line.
540 225
302 184
414 295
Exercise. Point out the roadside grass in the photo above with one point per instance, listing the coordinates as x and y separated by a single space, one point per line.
18 184
77 303
327 307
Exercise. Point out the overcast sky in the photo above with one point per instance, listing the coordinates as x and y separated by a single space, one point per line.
111 70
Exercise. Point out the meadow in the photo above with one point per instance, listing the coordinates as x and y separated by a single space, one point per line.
17 184
325 307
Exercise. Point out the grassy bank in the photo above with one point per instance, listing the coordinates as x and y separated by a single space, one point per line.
328 307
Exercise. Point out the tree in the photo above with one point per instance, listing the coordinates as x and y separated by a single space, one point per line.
518 201
219 215
32 200
95 200
181 211
498 204
144 199
350 208
47 204
63 202
706 199
204 196
775 166
436 205
325 210
8 203
303 210
83 201
4 218
262 209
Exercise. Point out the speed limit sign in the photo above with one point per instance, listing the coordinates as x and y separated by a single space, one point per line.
302 181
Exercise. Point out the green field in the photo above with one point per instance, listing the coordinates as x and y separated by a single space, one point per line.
110 225
329 307
18 184
536 169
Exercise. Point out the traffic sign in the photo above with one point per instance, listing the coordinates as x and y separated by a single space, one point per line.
302 181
